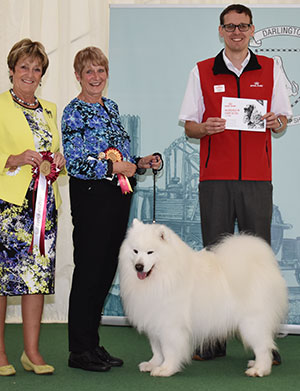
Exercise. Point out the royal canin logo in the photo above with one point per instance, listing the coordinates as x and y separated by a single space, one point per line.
256 84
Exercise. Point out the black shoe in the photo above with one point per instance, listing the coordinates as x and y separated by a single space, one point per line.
276 357
89 361
107 358
209 352
204 355
220 349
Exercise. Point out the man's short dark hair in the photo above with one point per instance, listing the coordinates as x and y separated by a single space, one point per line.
239 8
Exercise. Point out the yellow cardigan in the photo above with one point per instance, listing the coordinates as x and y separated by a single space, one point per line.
15 137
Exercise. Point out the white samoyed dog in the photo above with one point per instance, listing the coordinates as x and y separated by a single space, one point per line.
181 298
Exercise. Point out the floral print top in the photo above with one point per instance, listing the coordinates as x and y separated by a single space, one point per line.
39 127
87 130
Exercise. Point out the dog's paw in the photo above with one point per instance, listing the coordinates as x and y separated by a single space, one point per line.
257 372
251 363
162 371
146 366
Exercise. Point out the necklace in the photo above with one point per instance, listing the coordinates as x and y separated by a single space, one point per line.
22 101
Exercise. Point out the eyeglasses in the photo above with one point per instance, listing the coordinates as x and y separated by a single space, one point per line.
230 28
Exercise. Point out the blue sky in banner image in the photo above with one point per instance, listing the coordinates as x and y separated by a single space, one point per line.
151 53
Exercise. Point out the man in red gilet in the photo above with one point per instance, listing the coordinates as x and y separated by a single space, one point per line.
235 165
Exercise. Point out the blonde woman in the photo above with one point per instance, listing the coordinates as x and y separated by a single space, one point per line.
29 144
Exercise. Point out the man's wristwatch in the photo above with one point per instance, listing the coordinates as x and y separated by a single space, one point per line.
280 124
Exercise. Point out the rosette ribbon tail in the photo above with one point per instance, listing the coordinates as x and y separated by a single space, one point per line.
43 176
124 184
40 208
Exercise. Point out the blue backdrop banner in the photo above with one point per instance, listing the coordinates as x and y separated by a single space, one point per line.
152 50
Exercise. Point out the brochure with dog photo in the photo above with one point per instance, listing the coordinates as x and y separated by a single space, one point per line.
244 114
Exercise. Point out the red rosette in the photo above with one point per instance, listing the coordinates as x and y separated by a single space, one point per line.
46 168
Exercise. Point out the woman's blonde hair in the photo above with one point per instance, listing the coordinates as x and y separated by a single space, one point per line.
27 48
91 55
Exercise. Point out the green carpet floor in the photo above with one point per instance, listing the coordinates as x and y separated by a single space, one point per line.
224 374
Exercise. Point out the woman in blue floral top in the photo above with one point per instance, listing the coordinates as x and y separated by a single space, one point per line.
101 170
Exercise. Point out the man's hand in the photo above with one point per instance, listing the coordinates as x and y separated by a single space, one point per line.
212 126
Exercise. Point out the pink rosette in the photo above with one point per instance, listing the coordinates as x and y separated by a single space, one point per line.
43 176
116 156
124 184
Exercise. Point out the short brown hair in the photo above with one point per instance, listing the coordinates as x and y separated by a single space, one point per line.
239 8
27 48
91 55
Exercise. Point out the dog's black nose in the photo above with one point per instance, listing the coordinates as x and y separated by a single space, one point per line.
139 267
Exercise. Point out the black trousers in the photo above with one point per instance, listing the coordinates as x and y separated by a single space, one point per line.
222 203
100 215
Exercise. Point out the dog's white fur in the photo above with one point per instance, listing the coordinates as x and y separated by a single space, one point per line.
192 297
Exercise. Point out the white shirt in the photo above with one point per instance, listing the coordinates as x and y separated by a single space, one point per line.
193 107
